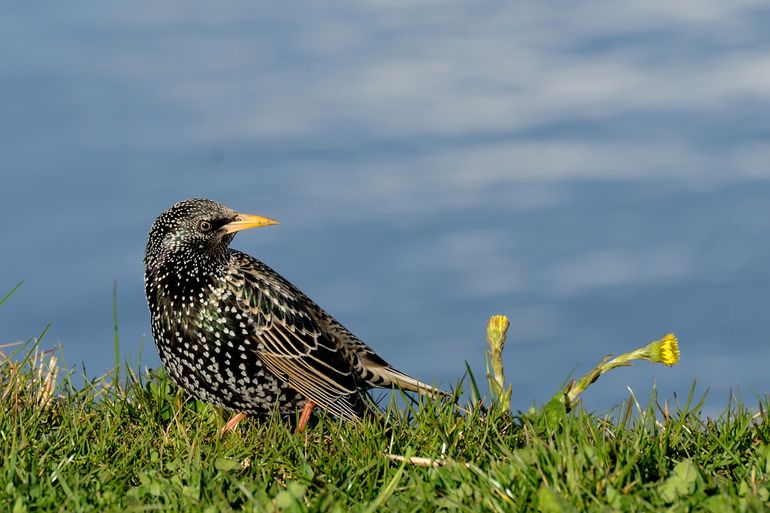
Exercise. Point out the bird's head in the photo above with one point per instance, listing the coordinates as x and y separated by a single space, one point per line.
196 228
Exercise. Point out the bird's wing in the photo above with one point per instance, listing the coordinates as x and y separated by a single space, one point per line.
291 344
370 368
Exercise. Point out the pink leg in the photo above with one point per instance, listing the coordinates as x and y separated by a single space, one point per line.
232 423
306 412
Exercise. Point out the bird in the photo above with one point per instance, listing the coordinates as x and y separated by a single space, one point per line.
233 332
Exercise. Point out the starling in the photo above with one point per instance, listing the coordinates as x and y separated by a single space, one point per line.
233 332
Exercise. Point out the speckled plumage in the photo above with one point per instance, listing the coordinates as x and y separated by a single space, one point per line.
233 332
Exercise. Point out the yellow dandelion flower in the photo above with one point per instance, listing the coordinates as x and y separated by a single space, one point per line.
496 331
665 350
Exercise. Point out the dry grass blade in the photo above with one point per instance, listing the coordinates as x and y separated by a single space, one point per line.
419 461
37 382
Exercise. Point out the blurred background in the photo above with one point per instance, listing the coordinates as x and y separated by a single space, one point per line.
599 173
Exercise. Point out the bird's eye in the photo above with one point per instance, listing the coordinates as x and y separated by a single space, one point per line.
204 226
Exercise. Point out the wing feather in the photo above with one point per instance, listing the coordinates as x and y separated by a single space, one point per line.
291 344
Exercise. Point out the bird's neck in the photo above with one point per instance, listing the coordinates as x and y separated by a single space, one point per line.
187 275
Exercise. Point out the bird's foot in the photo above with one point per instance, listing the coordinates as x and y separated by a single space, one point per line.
232 423
306 412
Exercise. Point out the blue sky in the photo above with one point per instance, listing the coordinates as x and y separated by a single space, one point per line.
597 172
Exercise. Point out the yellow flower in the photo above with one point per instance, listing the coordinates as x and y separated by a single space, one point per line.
665 350
496 331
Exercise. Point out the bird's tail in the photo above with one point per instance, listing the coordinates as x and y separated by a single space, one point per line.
387 376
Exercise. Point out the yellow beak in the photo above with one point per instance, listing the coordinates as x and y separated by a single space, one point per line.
246 221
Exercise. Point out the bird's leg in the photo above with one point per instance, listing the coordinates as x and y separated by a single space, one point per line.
306 412
232 423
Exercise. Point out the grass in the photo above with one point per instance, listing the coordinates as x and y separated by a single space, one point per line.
144 446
